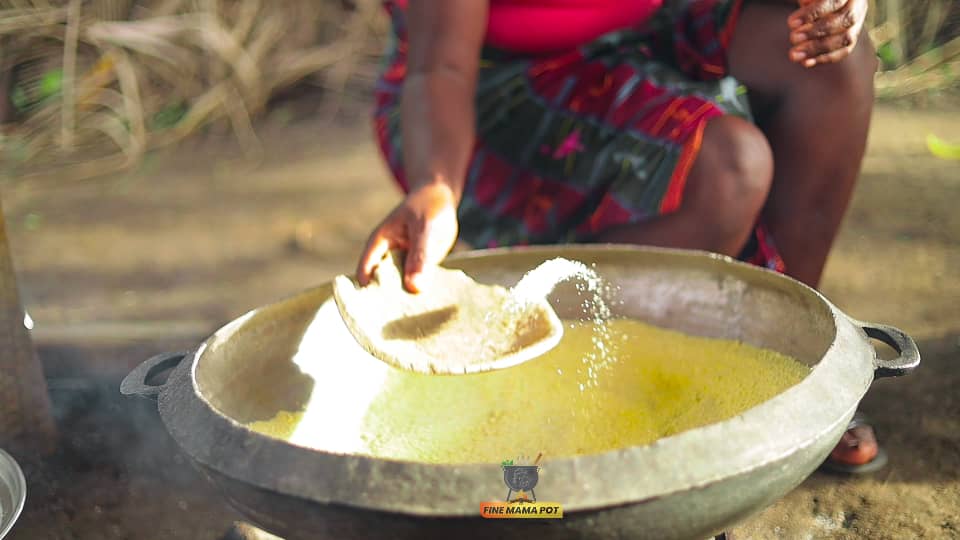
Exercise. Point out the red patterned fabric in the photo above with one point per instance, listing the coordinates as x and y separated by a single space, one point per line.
603 135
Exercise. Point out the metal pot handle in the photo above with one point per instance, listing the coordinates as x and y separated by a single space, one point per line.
909 355
135 383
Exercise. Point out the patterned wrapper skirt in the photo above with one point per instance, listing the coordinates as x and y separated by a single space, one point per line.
572 143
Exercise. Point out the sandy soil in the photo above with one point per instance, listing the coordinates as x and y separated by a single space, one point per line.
118 269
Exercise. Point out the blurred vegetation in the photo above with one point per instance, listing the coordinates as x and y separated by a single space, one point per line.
88 87
918 42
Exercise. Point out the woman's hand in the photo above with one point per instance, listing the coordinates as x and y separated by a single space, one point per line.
438 125
424 225
825 31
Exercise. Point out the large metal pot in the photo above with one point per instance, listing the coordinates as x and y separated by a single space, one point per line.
689 485
13 492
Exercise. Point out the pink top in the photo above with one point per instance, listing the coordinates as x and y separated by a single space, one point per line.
540 26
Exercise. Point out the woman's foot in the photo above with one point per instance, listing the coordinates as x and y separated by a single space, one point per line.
857 447
858 451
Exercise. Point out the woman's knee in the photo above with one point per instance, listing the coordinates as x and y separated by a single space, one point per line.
734 169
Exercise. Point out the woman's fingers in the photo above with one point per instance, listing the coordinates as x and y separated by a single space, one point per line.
416 259
376 248
836 47
840 22
431 239
826 38
814 11
829 58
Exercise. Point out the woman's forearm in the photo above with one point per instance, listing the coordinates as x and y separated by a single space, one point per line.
437 112
437 116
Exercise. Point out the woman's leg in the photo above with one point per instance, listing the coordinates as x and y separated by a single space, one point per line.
724 193
816 121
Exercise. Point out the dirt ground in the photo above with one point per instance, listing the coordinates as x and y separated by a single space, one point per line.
115 270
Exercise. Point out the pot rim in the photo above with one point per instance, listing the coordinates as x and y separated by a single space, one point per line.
831 391
18 492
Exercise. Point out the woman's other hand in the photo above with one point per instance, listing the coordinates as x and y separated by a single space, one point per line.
825 31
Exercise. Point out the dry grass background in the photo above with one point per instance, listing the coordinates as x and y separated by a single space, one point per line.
91 86
919 44
87 87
